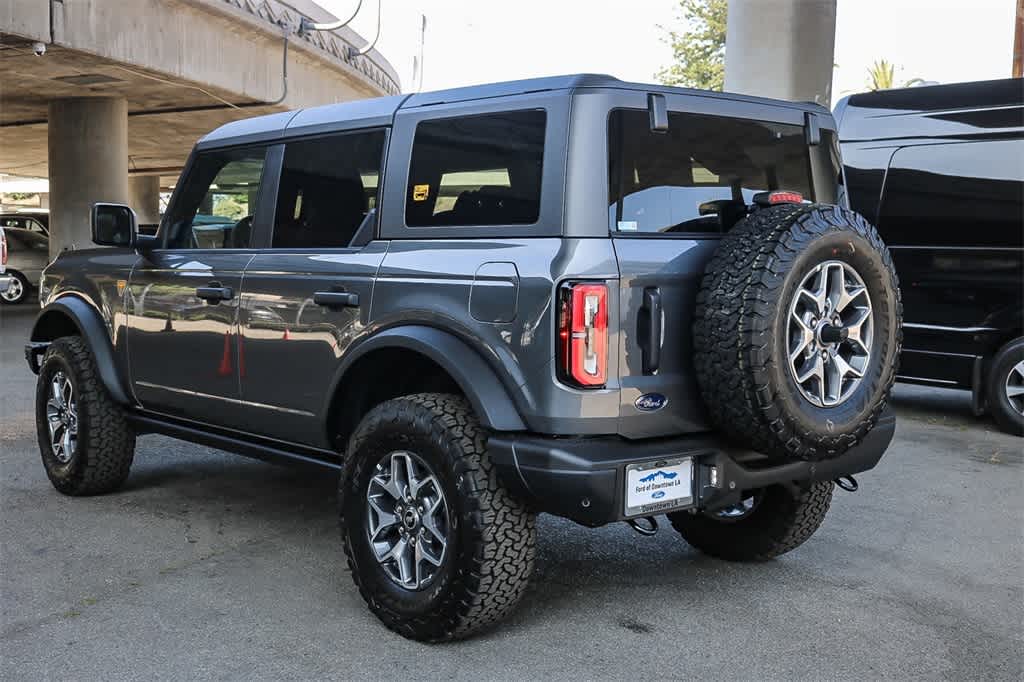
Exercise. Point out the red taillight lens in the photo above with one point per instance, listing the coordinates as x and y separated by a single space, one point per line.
785 198
583 334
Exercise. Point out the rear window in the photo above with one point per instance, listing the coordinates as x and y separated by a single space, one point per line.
477 170
698 176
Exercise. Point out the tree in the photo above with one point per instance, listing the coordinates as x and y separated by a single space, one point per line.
698 52
882 76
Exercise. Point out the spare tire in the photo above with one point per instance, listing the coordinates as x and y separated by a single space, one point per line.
797 331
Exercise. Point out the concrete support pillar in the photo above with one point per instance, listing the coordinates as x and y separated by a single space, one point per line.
88 154
781 48
145 198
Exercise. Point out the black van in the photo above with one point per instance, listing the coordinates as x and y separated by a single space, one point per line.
940 171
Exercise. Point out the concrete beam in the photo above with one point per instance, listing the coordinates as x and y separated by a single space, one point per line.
233 45
88 161
26 18
781 48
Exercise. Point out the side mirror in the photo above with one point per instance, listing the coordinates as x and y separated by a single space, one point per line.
113 225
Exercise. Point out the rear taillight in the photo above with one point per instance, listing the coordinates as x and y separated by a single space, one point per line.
3 248
583 334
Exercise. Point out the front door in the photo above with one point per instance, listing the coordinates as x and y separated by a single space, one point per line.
183 300
307 298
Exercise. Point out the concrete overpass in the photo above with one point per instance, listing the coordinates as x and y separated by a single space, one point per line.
123 89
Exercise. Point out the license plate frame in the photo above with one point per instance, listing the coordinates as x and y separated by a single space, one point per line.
675 481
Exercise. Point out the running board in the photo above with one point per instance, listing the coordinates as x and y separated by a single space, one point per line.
255 447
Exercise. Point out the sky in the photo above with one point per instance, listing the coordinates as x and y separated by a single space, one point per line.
477 41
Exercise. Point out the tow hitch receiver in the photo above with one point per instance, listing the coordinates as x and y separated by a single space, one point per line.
847 483
649 528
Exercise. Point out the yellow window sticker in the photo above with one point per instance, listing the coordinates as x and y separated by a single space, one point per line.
420 192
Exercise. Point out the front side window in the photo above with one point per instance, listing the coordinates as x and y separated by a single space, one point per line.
477 170
699 175
217 204
328 188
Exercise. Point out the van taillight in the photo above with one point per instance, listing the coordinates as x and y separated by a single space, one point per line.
583 334
3 248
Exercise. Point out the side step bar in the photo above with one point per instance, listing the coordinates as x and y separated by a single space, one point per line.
257 448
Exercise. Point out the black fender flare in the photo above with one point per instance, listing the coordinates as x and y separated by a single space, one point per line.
93 329
478 381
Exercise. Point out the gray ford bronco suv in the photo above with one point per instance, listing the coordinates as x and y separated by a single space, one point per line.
574 295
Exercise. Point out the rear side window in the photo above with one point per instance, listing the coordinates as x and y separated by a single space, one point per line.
698 176
327 189
477 170
962 194
26 240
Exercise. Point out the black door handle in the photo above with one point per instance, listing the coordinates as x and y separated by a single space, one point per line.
336 299
650 332
215 293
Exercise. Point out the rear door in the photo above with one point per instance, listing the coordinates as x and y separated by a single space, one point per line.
671 195
306 298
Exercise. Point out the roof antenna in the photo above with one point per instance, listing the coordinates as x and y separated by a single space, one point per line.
353 52
305 25
418 61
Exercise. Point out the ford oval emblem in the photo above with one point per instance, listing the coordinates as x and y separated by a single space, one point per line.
650 402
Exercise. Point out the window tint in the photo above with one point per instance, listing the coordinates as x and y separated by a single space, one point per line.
216 207
698 176
477 170
963 194
328 187
26 240
23 222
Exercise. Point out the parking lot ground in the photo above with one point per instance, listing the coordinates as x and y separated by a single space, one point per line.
212 565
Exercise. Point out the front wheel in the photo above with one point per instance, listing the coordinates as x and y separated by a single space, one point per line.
764 525
436 545
85 441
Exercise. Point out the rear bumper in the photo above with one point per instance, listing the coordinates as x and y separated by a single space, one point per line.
583 479
5 282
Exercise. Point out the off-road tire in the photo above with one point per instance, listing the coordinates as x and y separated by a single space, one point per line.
25 288
103 454
484 575
779 523
1002 364
740 330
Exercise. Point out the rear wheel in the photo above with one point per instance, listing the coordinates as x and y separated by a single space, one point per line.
797 331
1006 387
765 524
436 545
17 291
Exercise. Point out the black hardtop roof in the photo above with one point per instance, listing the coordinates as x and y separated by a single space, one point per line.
933 111
974 95
381 110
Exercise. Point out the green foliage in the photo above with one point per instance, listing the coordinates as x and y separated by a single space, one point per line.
230 206
882 76
21 196
698 52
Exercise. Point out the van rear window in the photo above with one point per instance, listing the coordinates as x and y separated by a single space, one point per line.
698 176
477 170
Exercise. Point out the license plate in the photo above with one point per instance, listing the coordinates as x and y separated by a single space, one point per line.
655 487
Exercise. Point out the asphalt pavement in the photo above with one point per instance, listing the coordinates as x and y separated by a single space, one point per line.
210 565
